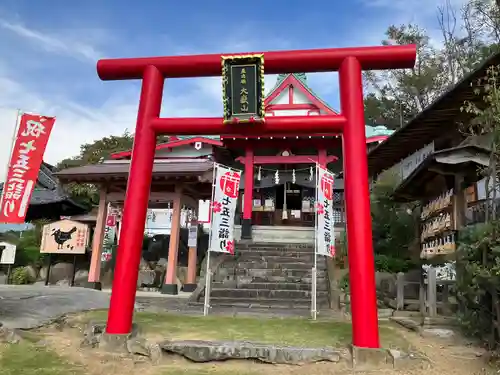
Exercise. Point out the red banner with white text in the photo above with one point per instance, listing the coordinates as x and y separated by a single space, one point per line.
27 156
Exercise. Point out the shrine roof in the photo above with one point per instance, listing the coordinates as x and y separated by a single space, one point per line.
301 78
119 169
176 141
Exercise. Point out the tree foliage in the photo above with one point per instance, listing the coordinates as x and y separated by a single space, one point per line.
394 228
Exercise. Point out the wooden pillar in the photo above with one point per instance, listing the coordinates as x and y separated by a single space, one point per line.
459 203
170 284
246 224
94 279
322 157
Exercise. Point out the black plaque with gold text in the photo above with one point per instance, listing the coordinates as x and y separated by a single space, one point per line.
243 88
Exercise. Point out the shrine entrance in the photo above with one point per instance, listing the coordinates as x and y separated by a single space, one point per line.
349 62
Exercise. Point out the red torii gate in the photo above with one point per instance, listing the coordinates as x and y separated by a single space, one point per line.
349 62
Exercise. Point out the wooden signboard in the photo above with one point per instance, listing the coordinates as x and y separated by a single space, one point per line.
7 253
65 237
243 88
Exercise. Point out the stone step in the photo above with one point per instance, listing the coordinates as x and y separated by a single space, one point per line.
303 249
270 265
269 286
275 279
265 303
266 294
288 272
276 254
283 259
270 245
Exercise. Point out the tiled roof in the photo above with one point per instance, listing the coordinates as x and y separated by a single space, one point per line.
48 189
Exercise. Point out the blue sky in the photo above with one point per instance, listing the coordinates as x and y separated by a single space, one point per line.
50 48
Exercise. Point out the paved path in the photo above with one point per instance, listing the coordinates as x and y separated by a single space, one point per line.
23 306
32 306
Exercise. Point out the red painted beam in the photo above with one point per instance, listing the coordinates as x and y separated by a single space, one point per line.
279 143
292 159
272 125
306 61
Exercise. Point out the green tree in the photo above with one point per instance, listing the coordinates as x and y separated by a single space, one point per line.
94 153
395 96
394 226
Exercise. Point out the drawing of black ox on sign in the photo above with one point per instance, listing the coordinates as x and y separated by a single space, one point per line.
65 237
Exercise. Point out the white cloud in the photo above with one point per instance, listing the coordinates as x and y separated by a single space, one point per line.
50 43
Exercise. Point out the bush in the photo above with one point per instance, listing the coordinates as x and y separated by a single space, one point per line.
478 279
386 263
21 276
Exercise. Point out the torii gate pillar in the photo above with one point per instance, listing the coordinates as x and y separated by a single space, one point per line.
349 62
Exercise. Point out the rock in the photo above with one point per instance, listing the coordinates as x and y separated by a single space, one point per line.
64 283
155 353
369 357
206 351
162 262
385 313
58 272
146 278
92 334
32 272
81 277
9 336
441 333
408 323
138 345
3 278
182 274
401 360
144 266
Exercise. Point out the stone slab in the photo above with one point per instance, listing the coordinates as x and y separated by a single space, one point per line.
207 351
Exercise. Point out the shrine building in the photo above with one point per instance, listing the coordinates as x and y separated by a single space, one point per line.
277 187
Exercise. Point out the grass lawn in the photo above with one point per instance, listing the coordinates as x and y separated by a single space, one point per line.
26 358
286 331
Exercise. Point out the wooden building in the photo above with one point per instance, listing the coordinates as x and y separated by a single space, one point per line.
439 165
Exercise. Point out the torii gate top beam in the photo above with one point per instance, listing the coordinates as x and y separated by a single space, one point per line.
306 61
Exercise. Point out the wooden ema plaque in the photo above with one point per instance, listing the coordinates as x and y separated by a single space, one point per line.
65 237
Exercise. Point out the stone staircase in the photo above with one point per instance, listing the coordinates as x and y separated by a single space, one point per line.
269 275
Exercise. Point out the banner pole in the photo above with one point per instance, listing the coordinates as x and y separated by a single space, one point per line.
315 265
9 160
208 276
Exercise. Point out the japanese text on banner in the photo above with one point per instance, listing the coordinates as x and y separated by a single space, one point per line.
226 188
22 174
325 234
109 235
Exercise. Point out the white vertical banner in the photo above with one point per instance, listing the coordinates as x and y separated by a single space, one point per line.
324 243
325 234
225 189
225 198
